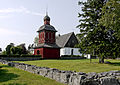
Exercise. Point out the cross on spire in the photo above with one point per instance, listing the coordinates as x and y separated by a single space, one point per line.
47 11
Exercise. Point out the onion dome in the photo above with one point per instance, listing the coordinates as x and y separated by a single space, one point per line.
46 18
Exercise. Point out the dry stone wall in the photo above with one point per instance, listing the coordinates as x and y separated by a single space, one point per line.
69 77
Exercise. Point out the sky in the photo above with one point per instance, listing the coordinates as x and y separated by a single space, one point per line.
20 19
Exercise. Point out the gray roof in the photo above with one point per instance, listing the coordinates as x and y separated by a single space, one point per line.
62 40
47 18
47 45
47 27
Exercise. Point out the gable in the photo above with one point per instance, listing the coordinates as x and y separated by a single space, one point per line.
72 41
67 40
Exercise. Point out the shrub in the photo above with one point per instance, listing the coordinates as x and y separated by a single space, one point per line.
3 55
71 56
14 55
27 55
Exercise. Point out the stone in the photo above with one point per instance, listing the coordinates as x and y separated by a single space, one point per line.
56 75
91 75
89 82
65 76
104 74
109 81
50 73
11 64
81 73
76 79
118 78
43 72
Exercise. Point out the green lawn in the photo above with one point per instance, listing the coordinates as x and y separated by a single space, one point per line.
14 76
77 65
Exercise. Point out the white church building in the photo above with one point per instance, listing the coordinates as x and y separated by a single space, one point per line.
67 43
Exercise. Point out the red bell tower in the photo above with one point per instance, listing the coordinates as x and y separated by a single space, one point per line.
47 32
47 46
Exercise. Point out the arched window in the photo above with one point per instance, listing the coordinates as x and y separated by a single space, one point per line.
38 52
48 35
51 35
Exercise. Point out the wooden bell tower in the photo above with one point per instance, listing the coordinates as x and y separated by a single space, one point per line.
47 46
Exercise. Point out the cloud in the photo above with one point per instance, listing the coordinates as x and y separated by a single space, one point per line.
8 32
4 16
20 10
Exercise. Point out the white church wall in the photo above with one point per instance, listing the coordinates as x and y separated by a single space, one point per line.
68 51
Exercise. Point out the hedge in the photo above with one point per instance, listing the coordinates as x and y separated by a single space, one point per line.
22 55
71 56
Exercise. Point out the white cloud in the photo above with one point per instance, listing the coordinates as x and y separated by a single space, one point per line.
20 10
8 32
4 16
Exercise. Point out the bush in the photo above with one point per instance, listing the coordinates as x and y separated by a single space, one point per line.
14 55
22 55
27 55
76 56
3 55
71 56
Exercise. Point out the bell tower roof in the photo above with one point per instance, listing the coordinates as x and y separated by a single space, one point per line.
46 18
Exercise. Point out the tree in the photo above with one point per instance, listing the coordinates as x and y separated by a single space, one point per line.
36 40
92 36
111 20
16 50
24 51
8 48
11 49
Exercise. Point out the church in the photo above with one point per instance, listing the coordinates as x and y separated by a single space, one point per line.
51 46
47 46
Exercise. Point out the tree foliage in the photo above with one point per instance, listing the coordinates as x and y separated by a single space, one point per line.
93 38
8 52
36 40
16 50
99 28
11 49
111 20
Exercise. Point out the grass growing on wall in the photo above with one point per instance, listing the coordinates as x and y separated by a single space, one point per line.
82 65
14 76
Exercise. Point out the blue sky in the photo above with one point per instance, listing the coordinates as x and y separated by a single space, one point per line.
20 19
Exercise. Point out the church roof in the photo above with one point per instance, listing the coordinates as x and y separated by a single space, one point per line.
47 45
47 18
63 39
47 27
67 40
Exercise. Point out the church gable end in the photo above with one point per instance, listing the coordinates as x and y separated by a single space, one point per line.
72 41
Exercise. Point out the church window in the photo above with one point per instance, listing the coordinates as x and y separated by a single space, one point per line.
38 52
51 35
48 35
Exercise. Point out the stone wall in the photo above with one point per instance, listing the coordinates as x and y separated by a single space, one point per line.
69 77
20 58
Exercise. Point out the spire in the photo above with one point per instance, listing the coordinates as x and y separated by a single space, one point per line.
47 11
47 18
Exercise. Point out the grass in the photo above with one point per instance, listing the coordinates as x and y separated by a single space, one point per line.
83 65
14 76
